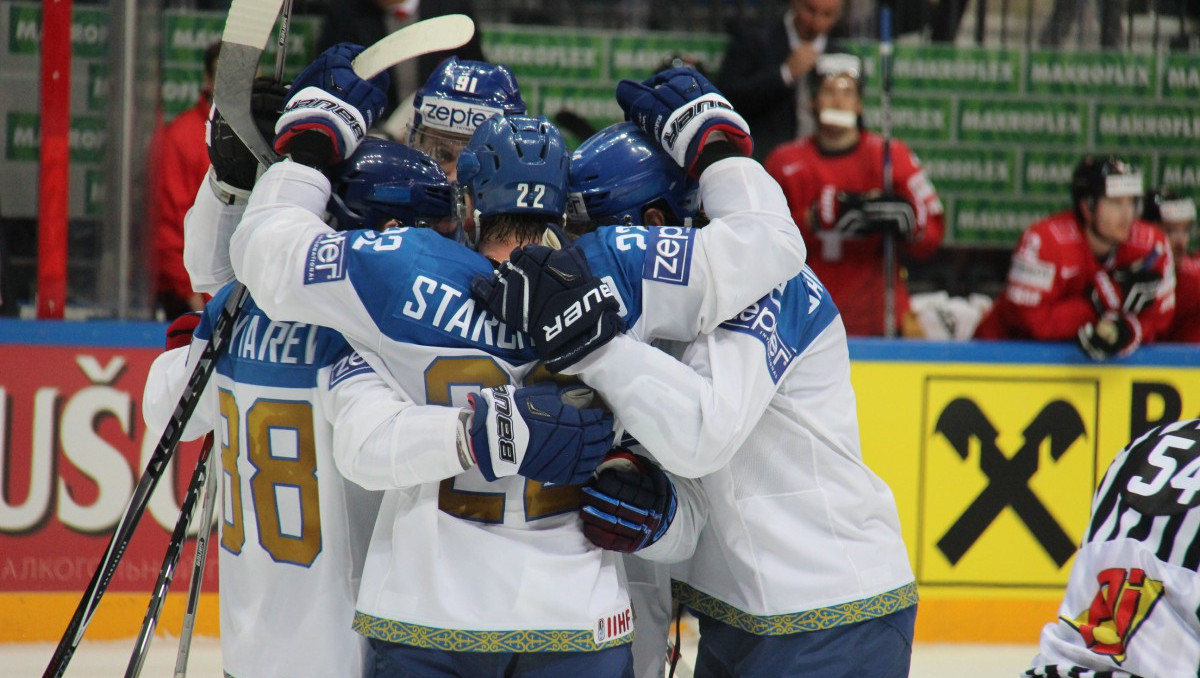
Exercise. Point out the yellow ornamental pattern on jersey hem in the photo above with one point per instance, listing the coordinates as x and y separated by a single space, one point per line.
797 622
454 640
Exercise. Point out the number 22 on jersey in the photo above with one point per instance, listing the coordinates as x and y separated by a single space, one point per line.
445 375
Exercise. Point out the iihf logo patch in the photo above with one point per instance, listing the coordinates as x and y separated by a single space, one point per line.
326 261
614 626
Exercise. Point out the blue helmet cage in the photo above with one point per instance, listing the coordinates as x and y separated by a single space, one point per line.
617 173
460 95
516 165
385 180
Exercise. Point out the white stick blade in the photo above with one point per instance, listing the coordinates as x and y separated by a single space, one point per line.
431 35
250 22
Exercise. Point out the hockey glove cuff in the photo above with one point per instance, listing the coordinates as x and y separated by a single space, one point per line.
542 432
330 109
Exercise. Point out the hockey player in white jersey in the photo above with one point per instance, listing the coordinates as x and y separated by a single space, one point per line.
293 531
461 574
795 562
1132 599
458 572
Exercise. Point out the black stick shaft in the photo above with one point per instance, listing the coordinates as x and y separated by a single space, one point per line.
155 468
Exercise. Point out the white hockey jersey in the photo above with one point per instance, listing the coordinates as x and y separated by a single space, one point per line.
293 531
1132 604
793 531
467 564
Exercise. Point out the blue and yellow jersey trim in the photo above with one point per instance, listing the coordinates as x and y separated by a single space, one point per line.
456 640
817 619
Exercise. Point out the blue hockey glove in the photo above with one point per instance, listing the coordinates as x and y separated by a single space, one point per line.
330 109
680 108
551 295
543 432
628 504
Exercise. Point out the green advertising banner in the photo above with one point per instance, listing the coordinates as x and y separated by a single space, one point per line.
187 35
97 87
94 187
1179 172
967 170
1048 173
1156 125
944 69
89 30
1018 122
996 221
538 53
180 90
1086 75
999 131
86 139
914 119
1182 80
639 56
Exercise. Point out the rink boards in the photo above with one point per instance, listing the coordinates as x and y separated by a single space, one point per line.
991 449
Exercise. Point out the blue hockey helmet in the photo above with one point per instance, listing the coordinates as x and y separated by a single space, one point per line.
455 100
385 180
516 165
617 173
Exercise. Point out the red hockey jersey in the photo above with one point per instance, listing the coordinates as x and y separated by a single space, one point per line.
1185 327
852 267
1048 296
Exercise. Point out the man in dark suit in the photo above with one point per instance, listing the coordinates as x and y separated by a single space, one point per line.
765 70
365 22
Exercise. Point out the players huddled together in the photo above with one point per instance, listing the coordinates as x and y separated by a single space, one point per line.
496 408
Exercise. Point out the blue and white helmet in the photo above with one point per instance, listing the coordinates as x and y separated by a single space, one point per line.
386 180
455 100
617 173
516 165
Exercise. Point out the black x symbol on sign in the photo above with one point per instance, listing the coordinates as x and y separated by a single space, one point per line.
1008 479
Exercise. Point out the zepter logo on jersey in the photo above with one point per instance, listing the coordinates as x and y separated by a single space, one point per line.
454 117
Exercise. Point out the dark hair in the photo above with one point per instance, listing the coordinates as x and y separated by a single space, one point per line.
210 59
525 228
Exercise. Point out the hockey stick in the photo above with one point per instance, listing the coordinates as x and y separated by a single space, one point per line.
136 508
207 507
885 130
285 20
167 573
197 581
424 37
247 29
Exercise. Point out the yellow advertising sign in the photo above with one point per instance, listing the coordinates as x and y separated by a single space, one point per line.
1002 463
993 465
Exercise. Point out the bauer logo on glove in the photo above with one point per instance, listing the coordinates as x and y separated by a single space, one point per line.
681 109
